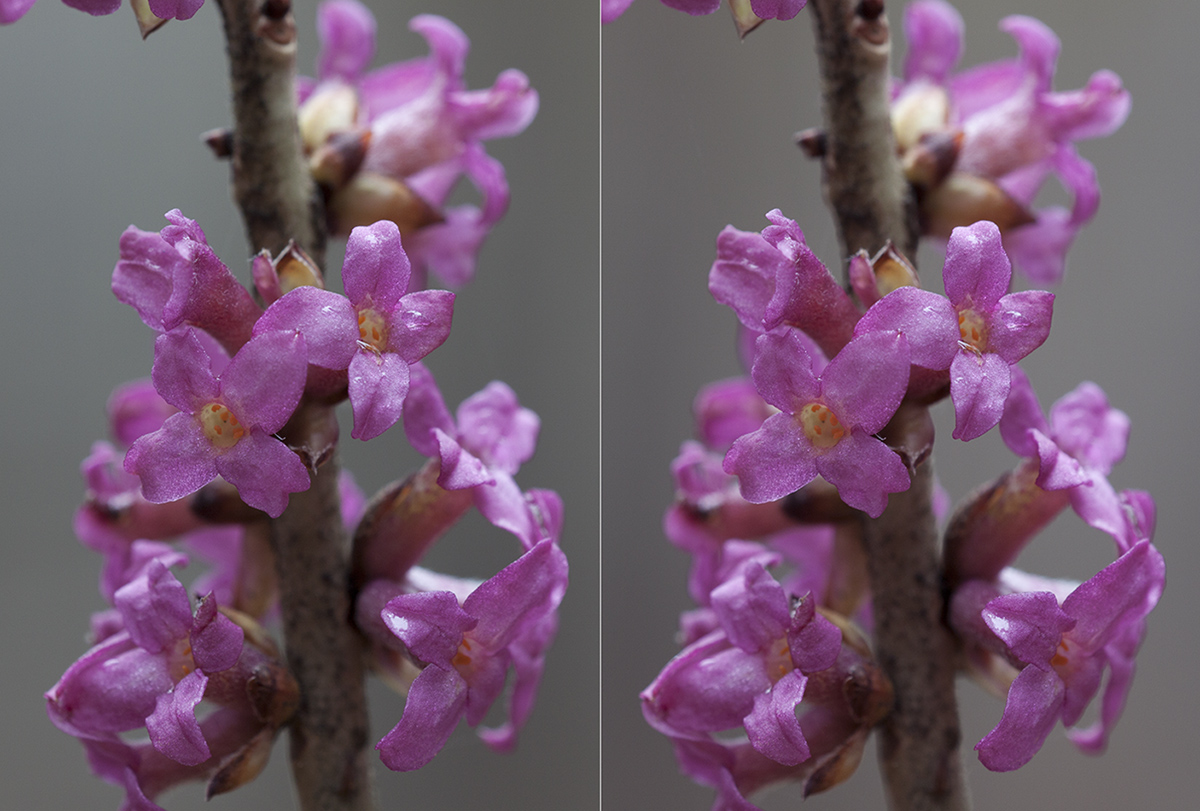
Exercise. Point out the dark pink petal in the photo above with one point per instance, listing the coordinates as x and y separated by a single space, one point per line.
865 382
346 31
376 269
783 372
135 409
378 385
460 469
772 725
485 685
111 688
505 109
517 596
425 410
814 642
1030 624
174 461
753 609
447 43
1097 110
172 726
13 10
1019 324
977 271
928 321
436 702
1089 429
216 640
528 661
430 624
864 471
743 275
144 274
777 9
1021 413
1039 249
772 462
327 321
1057 470
934 32
978 88
979 387
420 323
263 383
609 9
155 608
182 372
1033 708
709 685
264 471
494 425
1121 593
1039 47
1120 656
694 7
504 506
1082 683
175 10
728 409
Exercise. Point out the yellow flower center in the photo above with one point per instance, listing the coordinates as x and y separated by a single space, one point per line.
220 425
372 329
972 330
821 426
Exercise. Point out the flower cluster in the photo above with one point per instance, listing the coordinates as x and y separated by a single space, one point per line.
208 448
391 143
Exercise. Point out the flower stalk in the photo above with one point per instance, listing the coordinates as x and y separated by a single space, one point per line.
865 187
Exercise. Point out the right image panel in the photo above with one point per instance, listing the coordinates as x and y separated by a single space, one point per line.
896 404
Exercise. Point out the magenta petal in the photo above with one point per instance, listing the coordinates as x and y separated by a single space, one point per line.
522 592
1031 624
173 728
772 462
13 10
865 382
1034 704
1087 427
977 271
1021 413
1020 323
506 108
979 387
378 384
174 461
504 506
493 424
1057 470
216 640
425 410
864 471
182 371
934 32
459 468
436 702
783 372
928 321
420 323
376 267
814 642
175 9
1123 592
743 275
1038 44
431 624
264 471
155 608
772 725
263 383
327 321
346 31
753 609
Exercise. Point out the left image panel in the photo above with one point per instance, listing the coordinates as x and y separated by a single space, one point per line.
251 490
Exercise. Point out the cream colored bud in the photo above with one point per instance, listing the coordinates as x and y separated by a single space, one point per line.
922 108
147 22
964 199
893 270
331 109
933 158
369 198
335 162
744 17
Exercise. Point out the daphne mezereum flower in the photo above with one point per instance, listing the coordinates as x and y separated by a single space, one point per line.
467 649
996 131
374 332
173 279
826 423
13 10
995 328
412 130
762 9
1063 636
225 423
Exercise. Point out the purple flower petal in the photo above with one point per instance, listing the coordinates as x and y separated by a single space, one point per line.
182 372
459 468
327 321
772 462
1031 625
977 271
864 471
979 387
155 608
420 323
1033 708
174 461
346 31
521 593
865 382
1019 324
425 410
436 701
378 385
263 383
430 624
928 321
934 32
783 372
772 725
264 471
216 641
376 269
172 726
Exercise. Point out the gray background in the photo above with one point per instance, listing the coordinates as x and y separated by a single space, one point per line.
100 130
696 134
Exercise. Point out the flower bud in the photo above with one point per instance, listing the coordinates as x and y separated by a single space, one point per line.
333 108
369 198
963 199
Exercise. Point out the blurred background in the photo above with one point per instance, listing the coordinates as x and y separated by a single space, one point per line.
697 134
100 130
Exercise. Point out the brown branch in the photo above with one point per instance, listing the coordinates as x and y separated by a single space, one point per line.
918 742
279 203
